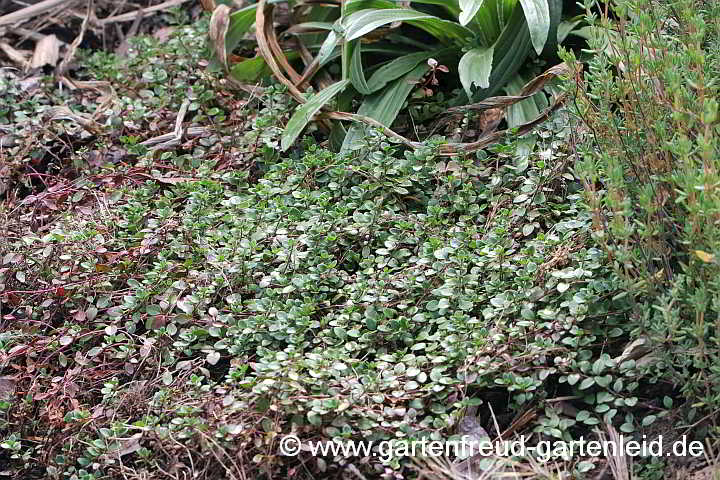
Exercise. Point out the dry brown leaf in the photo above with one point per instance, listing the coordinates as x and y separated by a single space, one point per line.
105 89
208 5
219 23
280 56
635 350
530 89
7 387
47 52
124 46
125 446
70 54
489 120
64 113
30 84
163 34
263 25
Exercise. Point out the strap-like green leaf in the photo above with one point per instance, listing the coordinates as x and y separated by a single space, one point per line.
305 112
396 69
365 21
352 6
308 28
556 11
511 49
491 19
452 6
328 47
254 69
384 106
469 9
475 67
565 28
444 30
357 75
537 15
240 23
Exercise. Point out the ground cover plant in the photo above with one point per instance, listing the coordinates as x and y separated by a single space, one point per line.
172 306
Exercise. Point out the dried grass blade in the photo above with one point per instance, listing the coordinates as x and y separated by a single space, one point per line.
530 89
76 43
263 23
130 16
279 55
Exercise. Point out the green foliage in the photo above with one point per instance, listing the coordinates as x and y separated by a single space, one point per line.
335 296
485 42
182 308
305 112
359 296
650 167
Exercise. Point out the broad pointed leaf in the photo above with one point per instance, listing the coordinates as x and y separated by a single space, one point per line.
444 30
556 11
309 27
250 70
565 28
469 10
452 6
510 51
537 15
385 106
490 20
254 69
305 112
240 23
475 67
352 6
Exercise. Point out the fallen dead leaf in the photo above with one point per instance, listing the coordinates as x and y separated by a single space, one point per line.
489 120
47 52
704 256
208 5
7 387
163 34
129 445
85 121
219 23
